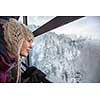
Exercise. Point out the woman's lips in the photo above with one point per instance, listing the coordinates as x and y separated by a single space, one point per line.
28 50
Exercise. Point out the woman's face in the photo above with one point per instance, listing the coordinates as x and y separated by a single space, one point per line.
27 45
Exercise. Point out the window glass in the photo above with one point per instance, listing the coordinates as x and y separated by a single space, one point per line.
35 22
71 53
85 27
20 19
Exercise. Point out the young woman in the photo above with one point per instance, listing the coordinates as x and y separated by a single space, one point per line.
15 42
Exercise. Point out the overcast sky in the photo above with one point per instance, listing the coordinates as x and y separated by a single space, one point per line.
86 27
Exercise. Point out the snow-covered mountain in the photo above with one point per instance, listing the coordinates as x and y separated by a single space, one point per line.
66 58
70 57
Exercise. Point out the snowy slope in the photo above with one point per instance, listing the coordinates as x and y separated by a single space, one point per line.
64 59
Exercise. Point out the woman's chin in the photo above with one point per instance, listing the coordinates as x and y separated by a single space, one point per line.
25 55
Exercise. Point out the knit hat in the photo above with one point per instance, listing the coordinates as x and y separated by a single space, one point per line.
14 35
3 20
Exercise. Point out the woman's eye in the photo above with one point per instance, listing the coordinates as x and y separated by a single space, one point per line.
30 40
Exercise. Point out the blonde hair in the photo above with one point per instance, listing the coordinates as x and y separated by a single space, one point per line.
14 34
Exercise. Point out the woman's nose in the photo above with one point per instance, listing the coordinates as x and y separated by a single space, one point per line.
30 45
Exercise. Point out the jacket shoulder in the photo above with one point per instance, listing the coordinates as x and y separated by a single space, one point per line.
4 66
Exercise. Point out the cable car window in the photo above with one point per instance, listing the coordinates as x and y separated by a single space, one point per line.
70 53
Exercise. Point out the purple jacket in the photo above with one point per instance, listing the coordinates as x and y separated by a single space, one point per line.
4 66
